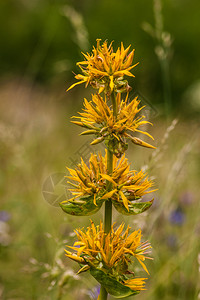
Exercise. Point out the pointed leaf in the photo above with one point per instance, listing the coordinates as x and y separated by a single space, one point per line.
97 141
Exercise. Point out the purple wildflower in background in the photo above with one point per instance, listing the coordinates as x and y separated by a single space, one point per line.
177 217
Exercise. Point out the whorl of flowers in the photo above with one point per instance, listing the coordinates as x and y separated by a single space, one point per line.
98 118
104 69
115 251
127 186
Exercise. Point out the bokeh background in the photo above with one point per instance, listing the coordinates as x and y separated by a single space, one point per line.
41 41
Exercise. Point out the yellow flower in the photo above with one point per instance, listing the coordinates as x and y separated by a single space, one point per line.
136 284
97 117
104 69
127 186
87 180
114 252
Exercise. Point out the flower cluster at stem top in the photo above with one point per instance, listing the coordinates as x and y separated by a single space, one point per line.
104 69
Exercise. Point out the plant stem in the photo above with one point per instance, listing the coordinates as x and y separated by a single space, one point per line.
103 294
108 204
108 212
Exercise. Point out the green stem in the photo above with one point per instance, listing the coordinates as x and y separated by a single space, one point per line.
108 204
103 294
108 212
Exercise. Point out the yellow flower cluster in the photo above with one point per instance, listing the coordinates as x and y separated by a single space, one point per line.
98 118
114 251
127 186
104 69
88 179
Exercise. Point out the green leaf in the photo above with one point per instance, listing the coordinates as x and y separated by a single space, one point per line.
135 208
84 206
111 284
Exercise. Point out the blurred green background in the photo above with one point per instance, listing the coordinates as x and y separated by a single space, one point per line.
41 41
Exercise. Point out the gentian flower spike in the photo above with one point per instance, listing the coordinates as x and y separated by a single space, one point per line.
109 254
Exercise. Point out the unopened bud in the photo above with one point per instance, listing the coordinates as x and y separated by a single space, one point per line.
97 141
